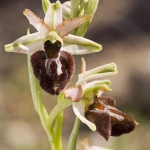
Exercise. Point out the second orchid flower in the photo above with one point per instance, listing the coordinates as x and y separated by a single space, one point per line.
98 112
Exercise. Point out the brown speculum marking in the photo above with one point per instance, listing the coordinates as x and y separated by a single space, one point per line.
108 119
52 67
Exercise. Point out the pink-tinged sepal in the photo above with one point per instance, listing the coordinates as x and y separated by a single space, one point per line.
67 26
74 93
38 23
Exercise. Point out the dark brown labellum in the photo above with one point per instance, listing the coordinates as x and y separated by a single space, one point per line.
53 67
108 119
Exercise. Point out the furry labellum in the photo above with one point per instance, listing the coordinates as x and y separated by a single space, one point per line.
52 67
108 119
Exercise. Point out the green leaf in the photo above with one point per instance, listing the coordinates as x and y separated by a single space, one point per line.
57 109
55 121
57 128
89 9
75 8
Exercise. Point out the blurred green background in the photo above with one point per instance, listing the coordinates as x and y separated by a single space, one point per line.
123 29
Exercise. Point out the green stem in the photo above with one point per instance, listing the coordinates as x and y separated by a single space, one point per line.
89 10
74 135
55 120
57 130
38 102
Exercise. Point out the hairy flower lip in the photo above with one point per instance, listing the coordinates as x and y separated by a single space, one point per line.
108 119
91 89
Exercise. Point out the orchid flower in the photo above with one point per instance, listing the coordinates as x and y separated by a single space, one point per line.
53 29
96 111
52 47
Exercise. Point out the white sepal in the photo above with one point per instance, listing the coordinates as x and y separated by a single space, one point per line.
77 45
95 82
105 70
78 108
27 44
